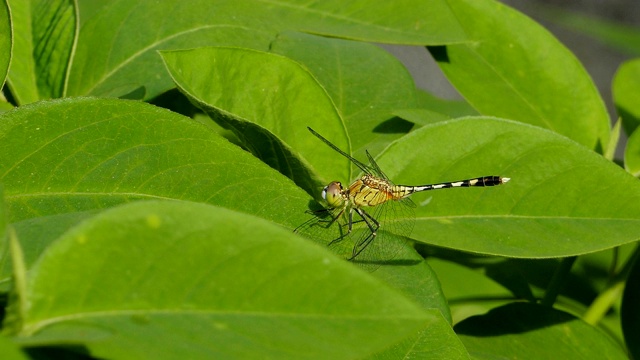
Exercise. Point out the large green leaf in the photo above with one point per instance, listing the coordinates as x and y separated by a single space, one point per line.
556 203
626 91
528 331
411 22
84 155
232 83
513 68
165 278
6 41
365 83
109 61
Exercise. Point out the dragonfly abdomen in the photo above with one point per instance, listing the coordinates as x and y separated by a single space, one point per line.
405 191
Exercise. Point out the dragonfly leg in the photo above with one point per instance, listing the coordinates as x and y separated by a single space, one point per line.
342 235
373 226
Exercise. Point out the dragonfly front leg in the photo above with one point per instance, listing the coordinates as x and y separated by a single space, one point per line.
349 224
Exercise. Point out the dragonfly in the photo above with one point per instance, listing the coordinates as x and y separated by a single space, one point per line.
370 211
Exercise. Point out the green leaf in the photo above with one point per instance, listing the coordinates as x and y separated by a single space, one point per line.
630 317
3 219
265 108
513 68
632 154
451 108
522 330
84 155
466 289
22 81
626 91
195 280
6 41
412 22
436 341
109 61
614 138
417 282
10 351
421 117
54 32
344 69
555 205
37 234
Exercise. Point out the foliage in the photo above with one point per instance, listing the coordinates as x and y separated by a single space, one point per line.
134 226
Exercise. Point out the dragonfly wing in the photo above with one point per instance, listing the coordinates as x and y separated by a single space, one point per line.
396 223
376 169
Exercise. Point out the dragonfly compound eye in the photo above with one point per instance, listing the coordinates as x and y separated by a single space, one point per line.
333 194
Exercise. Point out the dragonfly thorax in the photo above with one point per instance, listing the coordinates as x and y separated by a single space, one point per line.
333 194
371 191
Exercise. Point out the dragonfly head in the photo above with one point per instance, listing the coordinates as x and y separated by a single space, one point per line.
332 193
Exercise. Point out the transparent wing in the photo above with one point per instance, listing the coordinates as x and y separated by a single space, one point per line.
396 219
376 169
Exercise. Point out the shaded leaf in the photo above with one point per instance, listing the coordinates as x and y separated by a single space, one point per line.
630 318
434 342
44 38
21 80
265 109
626 91
54 33
468 292
632 154
513 68
365 83
534 332
6 42
195 280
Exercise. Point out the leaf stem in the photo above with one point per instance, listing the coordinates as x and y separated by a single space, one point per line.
557 281
603 302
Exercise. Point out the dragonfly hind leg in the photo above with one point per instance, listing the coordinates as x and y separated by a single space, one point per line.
373 226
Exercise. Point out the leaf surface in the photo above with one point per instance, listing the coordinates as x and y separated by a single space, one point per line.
195 280
111 62
513 68
556 190
534 332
